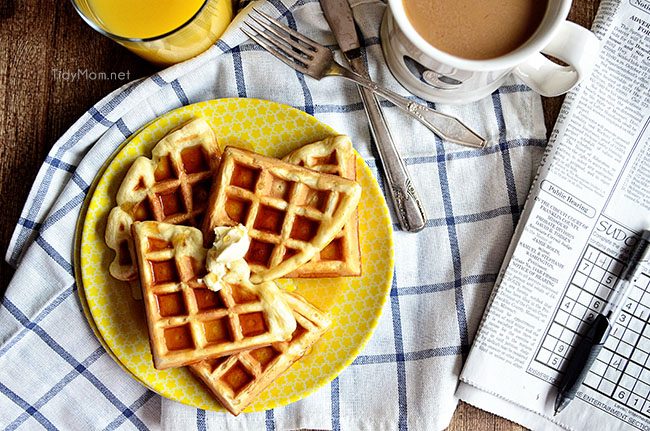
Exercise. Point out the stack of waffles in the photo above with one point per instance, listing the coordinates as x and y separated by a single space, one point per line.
301 217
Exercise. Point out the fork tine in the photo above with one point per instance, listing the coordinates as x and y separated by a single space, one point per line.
275 50
311 43
278 45
282 36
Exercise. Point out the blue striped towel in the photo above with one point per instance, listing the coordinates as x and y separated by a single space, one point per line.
55 374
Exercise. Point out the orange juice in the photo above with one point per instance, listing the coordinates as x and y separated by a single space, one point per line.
161 31
143 18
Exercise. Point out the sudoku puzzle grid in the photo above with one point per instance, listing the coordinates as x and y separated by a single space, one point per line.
622 369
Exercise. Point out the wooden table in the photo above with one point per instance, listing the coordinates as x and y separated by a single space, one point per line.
39 40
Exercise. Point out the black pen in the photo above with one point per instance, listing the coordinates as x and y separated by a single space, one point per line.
592 342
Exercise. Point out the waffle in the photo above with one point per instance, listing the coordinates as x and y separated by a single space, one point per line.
291 212
238 379
341 257
173 186
187 322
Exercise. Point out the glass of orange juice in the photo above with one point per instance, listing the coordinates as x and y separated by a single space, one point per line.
161 31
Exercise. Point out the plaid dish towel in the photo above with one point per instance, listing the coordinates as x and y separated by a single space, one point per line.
55 374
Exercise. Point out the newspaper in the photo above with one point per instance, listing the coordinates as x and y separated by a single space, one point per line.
588 204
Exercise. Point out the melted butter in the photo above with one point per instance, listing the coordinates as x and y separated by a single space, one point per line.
225 260
277 310
226 265
186 242
231 243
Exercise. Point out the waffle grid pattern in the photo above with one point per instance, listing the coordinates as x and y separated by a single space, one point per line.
172 187
188 322
341 257
237 380
290 212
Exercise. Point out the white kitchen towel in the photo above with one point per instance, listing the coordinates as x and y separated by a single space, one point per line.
54 373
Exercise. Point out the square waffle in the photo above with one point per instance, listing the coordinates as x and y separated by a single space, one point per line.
291 212
238 379
173 186
342 256
188 322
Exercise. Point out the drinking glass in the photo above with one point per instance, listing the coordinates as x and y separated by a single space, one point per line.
181 43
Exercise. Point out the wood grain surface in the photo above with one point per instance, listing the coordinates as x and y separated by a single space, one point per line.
41 39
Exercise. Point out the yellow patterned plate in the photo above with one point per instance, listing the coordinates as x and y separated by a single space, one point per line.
354 304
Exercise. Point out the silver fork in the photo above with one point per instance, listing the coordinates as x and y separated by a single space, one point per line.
317 61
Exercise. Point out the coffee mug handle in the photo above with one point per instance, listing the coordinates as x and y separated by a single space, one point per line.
574 45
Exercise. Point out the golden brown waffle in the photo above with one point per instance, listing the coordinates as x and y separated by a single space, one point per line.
188 322
173 186
291 212
238 379
341 257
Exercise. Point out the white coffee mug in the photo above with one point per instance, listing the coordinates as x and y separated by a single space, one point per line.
441 77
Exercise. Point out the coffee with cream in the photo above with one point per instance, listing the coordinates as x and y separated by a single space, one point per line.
476 29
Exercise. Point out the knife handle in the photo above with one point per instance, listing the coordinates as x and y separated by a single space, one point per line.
443 125
410 214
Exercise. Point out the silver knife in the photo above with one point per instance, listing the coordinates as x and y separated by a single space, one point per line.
410 214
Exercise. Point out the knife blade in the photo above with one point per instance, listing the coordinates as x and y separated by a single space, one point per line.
339 16
408 208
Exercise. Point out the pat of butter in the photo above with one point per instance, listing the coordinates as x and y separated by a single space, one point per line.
225 260
226 265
